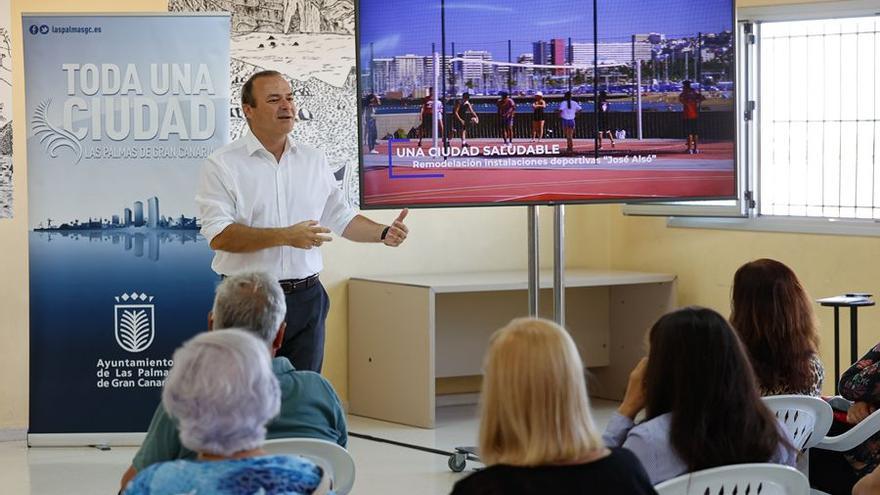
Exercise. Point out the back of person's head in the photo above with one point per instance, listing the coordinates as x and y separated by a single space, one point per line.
686 84
222 392
252 301
773 315
698 371
534 406
567 95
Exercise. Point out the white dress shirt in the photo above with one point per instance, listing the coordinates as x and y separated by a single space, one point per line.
242 183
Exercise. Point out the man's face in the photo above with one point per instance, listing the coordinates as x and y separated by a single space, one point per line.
274 110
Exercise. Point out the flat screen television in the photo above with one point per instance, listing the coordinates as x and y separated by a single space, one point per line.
514 102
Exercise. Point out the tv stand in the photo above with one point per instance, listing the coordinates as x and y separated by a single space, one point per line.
406 331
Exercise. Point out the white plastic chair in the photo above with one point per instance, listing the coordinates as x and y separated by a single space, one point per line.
333 459
752 479
854 436
808 419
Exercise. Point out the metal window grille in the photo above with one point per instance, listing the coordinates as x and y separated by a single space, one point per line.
818 110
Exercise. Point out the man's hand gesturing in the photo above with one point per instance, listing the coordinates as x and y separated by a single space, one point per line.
307 235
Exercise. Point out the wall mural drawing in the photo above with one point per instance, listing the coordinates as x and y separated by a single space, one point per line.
5 113
312 43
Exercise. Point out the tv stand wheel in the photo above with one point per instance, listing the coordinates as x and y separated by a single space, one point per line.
457 462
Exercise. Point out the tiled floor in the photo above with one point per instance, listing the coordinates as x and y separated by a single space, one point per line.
381 468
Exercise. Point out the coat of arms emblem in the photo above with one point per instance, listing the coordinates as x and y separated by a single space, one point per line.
135 321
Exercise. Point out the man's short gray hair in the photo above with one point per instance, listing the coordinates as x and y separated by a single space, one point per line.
251 301
222 391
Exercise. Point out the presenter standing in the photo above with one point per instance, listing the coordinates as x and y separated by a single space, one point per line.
268 203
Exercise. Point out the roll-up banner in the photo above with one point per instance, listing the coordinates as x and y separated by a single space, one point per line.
122 110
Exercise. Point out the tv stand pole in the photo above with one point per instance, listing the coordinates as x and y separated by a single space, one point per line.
559 264
533 262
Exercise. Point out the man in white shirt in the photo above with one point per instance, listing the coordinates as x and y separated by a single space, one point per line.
267 203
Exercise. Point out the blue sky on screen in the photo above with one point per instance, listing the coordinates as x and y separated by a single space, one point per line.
487 25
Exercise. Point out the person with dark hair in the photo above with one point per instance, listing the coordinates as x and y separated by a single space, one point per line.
464 117
506 113
430 113
773 316
568 110
371 101
690 114
701 402
267 203
602 126
538 107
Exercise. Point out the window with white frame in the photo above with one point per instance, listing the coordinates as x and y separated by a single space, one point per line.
818 98
810 149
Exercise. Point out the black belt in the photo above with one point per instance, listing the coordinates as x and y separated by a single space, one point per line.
292 285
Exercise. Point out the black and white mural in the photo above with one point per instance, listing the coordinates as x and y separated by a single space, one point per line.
5 113
312 42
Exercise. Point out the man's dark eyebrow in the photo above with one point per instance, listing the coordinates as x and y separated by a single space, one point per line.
278 95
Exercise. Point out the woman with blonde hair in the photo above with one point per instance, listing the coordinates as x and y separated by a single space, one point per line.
536 431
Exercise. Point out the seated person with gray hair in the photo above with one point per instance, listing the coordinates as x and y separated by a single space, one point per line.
222 391
309 405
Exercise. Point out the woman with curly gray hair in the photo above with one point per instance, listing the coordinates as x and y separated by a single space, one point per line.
222 392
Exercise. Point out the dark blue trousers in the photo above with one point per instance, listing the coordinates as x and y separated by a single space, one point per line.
304 338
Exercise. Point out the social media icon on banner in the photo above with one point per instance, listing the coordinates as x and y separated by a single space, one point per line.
135 321
34 29
44 29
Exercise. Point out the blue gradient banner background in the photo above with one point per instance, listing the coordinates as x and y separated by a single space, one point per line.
121 112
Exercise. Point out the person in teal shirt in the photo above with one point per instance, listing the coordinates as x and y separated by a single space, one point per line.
310 407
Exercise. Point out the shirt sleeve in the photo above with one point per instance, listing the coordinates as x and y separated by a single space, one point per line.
653 455
337 213
861 382
215 199
339 419
161 444
617 429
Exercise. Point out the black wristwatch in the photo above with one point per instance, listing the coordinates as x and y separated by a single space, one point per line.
384 233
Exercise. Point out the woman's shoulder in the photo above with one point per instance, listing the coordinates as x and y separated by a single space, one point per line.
657 426
619 467
485 481
231 477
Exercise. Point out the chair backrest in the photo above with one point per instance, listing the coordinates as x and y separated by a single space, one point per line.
807 418
333 459
742 479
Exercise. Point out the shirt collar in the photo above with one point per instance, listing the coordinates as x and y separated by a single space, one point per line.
281 365
252 144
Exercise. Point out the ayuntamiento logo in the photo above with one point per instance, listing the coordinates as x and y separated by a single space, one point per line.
135 321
